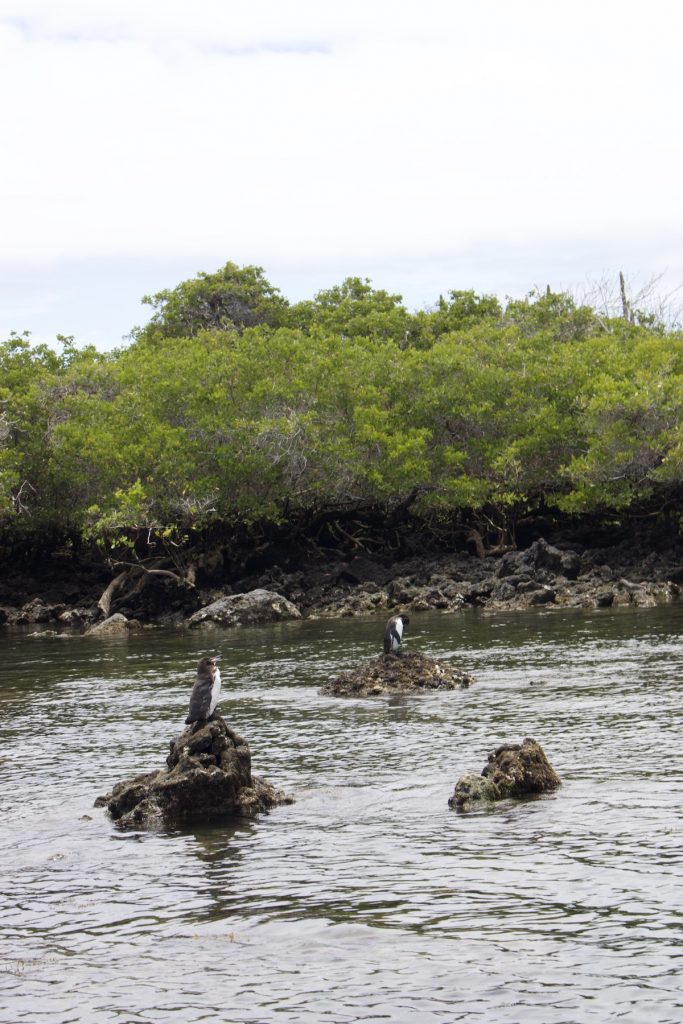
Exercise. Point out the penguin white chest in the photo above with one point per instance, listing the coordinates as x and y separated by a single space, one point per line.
397 634
215 691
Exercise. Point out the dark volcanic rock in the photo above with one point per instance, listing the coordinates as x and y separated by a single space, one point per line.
35 611
540 555
407 672
363 570
207 778
513 770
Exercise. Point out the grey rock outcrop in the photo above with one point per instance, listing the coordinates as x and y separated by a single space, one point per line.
36 611
207 778
249 609
513 770
77 616
406 672
115 625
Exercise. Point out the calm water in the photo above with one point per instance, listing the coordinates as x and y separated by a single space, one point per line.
368 899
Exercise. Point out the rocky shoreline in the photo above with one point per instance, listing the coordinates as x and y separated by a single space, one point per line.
560 575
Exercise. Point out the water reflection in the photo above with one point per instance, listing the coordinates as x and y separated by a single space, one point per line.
367 899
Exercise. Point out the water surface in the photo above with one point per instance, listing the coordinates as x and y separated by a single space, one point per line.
367 899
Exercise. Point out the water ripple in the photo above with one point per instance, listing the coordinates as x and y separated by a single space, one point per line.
367 899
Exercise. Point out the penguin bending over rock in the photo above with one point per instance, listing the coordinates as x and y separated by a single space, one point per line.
205 692
394 633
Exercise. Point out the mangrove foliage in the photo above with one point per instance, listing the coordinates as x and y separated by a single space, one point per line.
233 407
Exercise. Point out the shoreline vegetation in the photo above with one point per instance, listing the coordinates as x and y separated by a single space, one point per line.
241 439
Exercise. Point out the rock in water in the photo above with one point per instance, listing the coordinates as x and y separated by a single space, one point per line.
408 672
116 625
513 770
250 609
208 778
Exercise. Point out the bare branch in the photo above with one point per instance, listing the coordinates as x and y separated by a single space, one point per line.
616 296
17 499
106 599
181 580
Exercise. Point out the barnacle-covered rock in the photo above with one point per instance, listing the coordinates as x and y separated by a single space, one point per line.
513 770
404 672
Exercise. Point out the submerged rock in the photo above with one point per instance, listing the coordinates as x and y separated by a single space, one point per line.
50 634
207 778
407 672
248 609
513 770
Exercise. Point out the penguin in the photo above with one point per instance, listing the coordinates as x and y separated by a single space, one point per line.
394 633
205 692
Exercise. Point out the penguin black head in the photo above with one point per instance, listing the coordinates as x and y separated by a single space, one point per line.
208 663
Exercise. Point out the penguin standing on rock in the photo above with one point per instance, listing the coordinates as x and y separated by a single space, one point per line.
205 692
394 633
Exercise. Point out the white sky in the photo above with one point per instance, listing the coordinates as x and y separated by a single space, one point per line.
488 144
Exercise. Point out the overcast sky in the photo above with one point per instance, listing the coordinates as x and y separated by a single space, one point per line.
488 144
